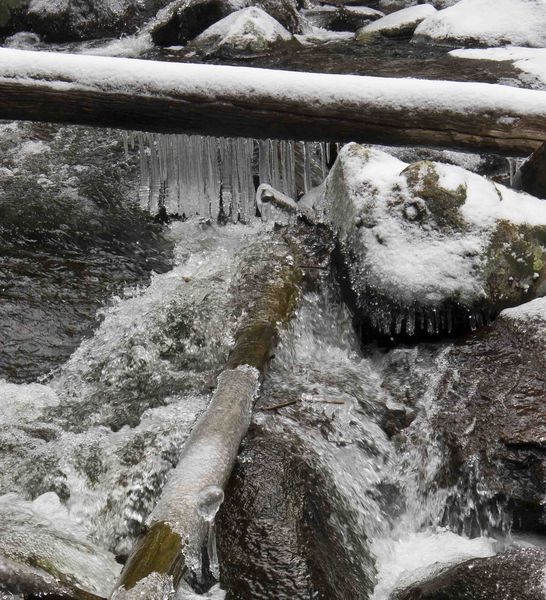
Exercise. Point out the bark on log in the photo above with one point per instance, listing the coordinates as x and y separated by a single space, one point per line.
179 524
246 102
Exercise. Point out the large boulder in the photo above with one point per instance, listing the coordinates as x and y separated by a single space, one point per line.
532 174
516 574
398 24
487 23
491 419
429 248
247 31
183 20
276 529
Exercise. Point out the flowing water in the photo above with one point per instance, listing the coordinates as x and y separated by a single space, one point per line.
86 450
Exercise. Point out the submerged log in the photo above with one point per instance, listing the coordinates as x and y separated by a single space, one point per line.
179 524
247 102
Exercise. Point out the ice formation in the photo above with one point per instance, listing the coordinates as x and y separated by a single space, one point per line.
218 177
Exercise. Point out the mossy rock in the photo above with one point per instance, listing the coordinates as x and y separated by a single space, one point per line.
430 249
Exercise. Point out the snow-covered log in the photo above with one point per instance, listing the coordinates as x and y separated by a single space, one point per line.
181 521
241 101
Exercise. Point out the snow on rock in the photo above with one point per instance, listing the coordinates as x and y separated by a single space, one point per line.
183 20
400 23
431 248
247 31
487 23
530 61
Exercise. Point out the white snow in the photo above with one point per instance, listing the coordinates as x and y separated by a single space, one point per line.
531 61
488 23
247 29
230 84
401 20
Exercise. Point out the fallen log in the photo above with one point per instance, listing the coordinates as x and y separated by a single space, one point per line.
258 103
179 524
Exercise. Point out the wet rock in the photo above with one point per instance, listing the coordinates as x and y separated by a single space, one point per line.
38 542
183 20
399 24
513 574
492 420
487 23
246 31
66 21
275 535
342 18
428 249
532 175
11 15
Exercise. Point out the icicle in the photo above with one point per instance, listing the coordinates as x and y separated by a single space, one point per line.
144 184
307 158
125 138
323 163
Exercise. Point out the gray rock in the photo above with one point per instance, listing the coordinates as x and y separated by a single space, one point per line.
65 21
491 419
341 18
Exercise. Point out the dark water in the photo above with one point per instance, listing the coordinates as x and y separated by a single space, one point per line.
382 58
70 237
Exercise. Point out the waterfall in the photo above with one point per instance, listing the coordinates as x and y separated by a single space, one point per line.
193 175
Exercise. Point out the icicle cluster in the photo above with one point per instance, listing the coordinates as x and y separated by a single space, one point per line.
392 321
214 177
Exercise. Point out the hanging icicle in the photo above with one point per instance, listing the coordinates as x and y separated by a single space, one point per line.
191 175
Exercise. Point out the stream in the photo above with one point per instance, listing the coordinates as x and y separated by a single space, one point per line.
114 326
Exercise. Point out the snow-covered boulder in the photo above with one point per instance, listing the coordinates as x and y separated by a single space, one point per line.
487 23
247 31
397 24
430 248
183 20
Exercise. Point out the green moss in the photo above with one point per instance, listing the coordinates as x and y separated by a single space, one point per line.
443 204
160 550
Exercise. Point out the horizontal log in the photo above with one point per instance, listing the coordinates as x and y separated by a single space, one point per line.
259 103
